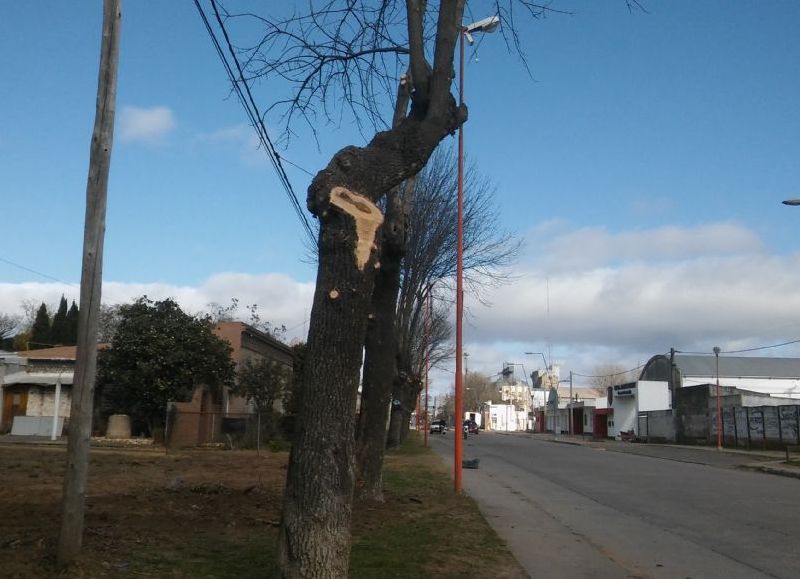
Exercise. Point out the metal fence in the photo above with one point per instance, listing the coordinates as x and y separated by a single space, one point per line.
759 427
233 430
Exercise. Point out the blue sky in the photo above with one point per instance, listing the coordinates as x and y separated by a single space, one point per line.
651 147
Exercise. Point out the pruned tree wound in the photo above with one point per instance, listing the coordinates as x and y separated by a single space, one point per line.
367 218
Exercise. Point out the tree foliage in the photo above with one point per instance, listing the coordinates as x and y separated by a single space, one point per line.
107 322
59 333
40 331
160 354
72 324
262 382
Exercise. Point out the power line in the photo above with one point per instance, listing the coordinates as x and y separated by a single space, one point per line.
39 273
754 349
761 347
251 110
622 373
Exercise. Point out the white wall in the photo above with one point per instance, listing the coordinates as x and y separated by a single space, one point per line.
625 415
505 418
652 395
42 398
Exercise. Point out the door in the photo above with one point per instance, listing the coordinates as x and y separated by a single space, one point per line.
15 403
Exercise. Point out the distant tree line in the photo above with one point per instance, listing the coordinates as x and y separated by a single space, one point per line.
42 330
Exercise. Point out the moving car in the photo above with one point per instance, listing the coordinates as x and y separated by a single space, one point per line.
438 427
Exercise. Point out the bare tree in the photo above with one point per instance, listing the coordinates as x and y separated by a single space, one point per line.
478 389
430 265
605 375
9 325
315 51
338 55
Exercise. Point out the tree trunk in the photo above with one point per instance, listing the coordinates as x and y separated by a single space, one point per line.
314 536
380 345
315 528
380 352
410 405
404 397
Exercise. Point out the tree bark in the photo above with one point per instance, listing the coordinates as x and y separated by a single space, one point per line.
80 427
315 527
404 397
314 538
380 352
380 344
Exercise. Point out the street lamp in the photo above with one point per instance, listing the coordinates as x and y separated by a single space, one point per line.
719 405
792 202
486 25
546 365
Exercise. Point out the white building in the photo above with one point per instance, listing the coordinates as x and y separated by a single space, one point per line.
35 390
506 418
774 376
626 401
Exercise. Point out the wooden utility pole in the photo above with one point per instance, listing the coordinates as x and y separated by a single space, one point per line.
80 426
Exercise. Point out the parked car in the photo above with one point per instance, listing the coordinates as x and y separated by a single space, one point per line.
438 427
471 426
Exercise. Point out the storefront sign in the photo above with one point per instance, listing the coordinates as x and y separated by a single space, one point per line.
623 390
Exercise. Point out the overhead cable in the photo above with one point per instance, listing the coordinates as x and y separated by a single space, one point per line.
39 273
245 96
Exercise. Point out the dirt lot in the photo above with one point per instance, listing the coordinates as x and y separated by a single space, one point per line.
215 514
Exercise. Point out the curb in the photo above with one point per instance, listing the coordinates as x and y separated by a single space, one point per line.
773 469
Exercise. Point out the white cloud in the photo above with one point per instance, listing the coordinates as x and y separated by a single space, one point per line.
562 249
281 300
242 137
622 298
145 125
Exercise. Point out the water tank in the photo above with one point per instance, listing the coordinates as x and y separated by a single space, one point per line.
119 426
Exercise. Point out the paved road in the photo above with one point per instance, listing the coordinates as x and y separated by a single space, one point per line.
580 511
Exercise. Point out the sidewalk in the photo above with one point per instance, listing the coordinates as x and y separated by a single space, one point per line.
33 440
768 461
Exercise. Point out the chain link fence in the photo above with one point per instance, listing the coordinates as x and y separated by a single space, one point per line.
254 430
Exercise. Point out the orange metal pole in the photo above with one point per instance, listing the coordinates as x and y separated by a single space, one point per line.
427 360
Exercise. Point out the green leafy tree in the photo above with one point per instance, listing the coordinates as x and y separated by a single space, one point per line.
160 354
71 337
262 382
59 334
40 331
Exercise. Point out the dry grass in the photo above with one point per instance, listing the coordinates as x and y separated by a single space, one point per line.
216 513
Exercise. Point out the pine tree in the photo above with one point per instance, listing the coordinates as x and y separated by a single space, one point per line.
40 332
59 331
72 325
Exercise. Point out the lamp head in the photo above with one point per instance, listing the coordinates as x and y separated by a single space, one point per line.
792 202
489 24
